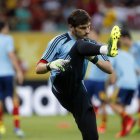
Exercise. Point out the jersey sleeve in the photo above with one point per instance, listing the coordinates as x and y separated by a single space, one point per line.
103 57
51 51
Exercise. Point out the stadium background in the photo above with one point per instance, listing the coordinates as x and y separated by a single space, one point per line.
33 23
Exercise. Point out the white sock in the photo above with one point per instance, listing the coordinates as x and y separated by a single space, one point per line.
104 49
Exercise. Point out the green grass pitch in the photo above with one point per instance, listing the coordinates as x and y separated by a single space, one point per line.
58 128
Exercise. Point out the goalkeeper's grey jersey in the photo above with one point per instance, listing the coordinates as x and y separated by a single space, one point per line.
66 47
58 48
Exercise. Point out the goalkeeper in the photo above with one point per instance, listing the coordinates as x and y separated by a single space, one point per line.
66 57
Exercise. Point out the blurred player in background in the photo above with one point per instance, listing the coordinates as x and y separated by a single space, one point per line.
135 50
66 57
125 80
10 71
96 85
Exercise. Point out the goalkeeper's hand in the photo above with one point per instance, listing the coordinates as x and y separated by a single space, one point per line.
58 64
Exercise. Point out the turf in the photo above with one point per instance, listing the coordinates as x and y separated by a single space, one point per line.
58 128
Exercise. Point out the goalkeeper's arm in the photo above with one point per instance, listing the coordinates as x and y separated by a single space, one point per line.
43 66
102 65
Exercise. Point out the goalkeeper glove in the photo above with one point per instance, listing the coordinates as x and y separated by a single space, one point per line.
58 64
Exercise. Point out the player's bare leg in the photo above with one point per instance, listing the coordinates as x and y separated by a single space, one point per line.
16 117
2 127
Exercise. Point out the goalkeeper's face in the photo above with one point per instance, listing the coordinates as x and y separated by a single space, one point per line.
81 31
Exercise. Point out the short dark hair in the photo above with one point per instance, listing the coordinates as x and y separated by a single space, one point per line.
78 17
126 33
2 24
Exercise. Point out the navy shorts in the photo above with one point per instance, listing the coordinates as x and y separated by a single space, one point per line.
125 96
94 87
6 86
